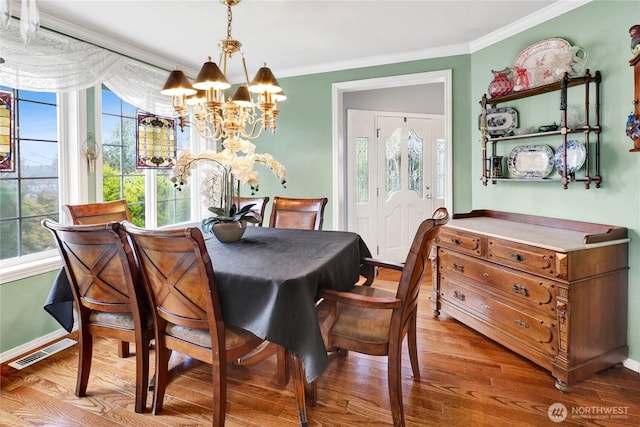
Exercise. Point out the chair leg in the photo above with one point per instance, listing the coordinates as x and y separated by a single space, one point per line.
84 362
123 349
142 375
162 373
413 349
299 387
394 371
219 386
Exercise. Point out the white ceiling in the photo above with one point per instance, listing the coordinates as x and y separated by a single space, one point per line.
295 36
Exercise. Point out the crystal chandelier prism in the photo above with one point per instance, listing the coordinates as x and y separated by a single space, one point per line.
252 109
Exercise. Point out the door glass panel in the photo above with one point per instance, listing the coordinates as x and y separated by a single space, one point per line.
362 170
393 151
416 178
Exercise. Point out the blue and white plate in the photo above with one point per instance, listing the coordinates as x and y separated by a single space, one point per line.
576 156
530 161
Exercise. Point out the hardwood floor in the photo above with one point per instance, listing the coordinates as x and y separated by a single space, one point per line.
467 380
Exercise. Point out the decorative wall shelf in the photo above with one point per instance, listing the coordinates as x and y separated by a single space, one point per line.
589 133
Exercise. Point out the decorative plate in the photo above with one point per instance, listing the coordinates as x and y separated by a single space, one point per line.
530 161
500 121
576 156
545 61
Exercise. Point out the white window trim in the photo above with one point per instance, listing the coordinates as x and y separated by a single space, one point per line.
72 165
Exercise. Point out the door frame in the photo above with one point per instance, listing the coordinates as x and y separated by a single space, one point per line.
338 114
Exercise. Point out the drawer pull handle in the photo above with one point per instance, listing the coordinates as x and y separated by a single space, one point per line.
520 289
455 241
459 295
458 267
520 323
485 275
516 257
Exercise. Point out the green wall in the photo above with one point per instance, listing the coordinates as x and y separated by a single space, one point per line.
303 143
22 317
602 27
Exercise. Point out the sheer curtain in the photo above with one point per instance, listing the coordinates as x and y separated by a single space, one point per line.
54 62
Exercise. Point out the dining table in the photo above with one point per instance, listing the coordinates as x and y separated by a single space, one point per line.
269 283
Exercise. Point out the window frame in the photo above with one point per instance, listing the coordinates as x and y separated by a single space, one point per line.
76 183
70 115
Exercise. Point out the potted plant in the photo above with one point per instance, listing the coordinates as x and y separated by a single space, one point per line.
232 166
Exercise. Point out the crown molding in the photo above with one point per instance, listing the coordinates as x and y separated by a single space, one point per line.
416 55
552 11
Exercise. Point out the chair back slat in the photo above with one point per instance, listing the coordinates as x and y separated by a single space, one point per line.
259 202
306 214
99 213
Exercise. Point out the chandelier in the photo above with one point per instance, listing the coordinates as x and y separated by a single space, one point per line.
214 117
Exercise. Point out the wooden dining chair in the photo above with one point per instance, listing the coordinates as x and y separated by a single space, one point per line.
260 205
108 294
375 321
101 213
306 214
183 294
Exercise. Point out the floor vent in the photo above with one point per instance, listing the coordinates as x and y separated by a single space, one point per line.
42 353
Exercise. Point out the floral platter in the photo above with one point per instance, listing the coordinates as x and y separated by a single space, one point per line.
548 60
530 161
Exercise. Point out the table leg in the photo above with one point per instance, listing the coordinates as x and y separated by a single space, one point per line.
299 387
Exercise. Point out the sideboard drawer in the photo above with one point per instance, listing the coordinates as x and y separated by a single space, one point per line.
522 288
523 257
465 242
535 330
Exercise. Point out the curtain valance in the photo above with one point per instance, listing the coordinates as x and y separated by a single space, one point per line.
53 62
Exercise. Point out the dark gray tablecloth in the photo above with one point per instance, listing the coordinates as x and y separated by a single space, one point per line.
268 283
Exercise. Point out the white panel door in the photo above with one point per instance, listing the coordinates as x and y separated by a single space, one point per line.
392 162
404 183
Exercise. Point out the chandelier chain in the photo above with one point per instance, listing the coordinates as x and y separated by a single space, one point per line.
229 19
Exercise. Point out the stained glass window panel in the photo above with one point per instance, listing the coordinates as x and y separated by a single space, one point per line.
393 152
155 142
362 170
6 125
416 148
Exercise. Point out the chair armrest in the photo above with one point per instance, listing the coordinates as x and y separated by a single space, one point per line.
361 300
385 264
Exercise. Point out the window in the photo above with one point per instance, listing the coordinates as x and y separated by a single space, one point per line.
121 178
30 192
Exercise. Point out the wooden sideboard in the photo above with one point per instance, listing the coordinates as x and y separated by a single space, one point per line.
553 291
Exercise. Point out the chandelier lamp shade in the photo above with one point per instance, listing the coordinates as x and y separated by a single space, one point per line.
252 109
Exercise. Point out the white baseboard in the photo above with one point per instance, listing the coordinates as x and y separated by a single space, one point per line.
32 345
634 365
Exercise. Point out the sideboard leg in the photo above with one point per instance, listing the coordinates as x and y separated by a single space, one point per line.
562 386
